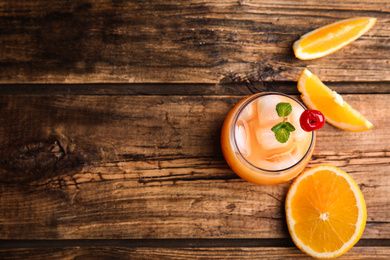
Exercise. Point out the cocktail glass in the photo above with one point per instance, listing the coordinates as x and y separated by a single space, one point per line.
250 147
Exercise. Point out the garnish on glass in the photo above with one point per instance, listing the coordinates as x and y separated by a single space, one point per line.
283 129
311 120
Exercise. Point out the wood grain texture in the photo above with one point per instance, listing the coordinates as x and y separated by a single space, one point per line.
88 167
231 89
182 253
182 41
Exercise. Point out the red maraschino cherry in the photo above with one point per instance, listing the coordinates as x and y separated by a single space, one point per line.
311 120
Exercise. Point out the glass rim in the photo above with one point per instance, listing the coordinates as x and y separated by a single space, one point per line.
254 97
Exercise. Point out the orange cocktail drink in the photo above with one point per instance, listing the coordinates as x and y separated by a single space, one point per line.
251 148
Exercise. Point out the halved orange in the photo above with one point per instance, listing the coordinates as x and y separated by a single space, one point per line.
325 211
332 37
316 95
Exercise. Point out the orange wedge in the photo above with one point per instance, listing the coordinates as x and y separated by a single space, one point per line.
316 95
325 211
332 37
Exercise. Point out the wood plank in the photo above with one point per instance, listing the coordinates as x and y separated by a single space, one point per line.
183 253
174 41
231 89
88 167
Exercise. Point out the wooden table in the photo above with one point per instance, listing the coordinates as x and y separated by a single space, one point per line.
111 114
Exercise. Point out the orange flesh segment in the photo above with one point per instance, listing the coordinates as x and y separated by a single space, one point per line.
333 36
324 195
316 95
321 97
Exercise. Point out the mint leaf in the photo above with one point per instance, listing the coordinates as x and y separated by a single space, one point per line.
289 127
277 127
282 135
283 129
283 109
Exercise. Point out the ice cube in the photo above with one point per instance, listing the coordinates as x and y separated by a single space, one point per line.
250 111
273 166
242 136
266 109
299 134
282 160
270 146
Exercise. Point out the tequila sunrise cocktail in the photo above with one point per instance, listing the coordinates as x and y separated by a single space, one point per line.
251 148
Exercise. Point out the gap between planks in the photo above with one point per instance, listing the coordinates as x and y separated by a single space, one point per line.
163 89
169 243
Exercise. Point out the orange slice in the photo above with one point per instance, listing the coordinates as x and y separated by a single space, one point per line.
332 37
325 211
316 95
